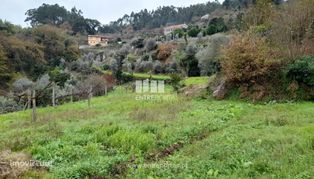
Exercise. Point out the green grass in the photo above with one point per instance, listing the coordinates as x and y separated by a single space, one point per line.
143 76
155 77
122 137
196 81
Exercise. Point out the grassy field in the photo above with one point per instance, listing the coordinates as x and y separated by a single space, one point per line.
122 137
195 81
147 76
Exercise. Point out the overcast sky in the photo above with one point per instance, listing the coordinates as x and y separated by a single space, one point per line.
102 10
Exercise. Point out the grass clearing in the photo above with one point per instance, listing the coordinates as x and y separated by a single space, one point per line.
123 137
196 81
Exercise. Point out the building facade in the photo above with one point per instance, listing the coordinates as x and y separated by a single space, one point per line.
94 40
168 30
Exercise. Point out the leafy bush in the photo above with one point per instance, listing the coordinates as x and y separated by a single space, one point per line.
164 51
8 105
194 31
179 33
22 85
83 67
4 70
175 81
216 25
302 70
209 57
188 62
138 43
150 45
247 60
59 77
97 83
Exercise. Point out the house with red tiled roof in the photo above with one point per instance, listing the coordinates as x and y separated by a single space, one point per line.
170 29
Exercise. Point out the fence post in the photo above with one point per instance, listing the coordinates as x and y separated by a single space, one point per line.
90 93
71 95
34 115
53 95
29 98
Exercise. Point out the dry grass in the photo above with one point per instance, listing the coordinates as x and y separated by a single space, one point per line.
7 169
160 112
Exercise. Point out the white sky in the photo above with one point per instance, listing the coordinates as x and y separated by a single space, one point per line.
102 10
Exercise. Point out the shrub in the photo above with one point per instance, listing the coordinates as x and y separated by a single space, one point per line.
8 105
179 33
22 85
158 68
59 77
150 45
131 57
302 70
194 31
188 62
172 67
97 82
164 51
209 57
4 70
106 67
175 81
216 25
137 43
81 66
247 60
144 66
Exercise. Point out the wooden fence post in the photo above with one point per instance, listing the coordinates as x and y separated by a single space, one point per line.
29 98
90 93
53 96
34 115
71 95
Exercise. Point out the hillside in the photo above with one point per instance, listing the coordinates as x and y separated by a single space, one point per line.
122 137
212 90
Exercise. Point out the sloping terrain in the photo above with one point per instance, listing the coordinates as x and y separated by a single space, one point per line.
120 136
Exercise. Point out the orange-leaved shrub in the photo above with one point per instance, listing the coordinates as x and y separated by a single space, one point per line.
248 60
164 51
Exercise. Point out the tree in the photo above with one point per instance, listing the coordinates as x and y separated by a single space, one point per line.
302 70
151 45
188 61
117 67
194 31
56 15
216 25
161 17
4 70
9 28
209 57
57 44
59 77
292 29
227 4
47 14
23 55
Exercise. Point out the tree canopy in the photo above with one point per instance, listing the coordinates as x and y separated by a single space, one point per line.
58 15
